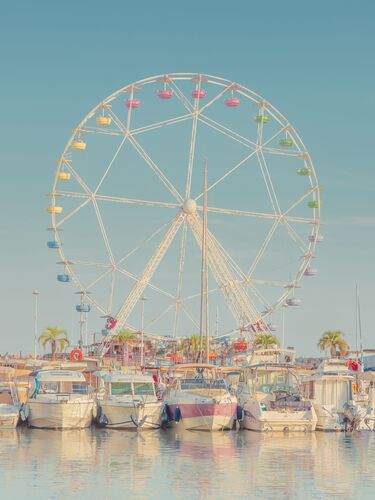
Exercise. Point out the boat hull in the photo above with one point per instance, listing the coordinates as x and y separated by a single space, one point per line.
203 416
60 415
9 416
278 422
134 417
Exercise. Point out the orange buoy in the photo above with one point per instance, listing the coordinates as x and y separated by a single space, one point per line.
76 355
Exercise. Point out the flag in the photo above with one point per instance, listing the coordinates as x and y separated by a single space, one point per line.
111 323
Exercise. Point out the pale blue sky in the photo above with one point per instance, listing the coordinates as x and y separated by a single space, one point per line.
313 61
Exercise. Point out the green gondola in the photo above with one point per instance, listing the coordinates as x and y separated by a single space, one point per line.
286 143
313 204
304 171
262 119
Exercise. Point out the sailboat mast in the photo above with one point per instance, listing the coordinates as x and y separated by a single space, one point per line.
207 326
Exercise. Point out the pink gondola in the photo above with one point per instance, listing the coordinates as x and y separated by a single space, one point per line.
198 94
132 103
233 102
313 238
165 94
310 271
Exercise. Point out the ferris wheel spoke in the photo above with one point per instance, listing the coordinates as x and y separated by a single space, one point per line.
150 285
226 131
244 160
159 316
155 169
111 291
91 264
104 232
190 316
98 279
301 199
225 275
282 152
192 146
268 182
152 126
181 96
181 268
145 241
78 179
295 236
260 296
216 98
197 295
263 247
243 213
130 201
73 212
149 271
101 131
110 164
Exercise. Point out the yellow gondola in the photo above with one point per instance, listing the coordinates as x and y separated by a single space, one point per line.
79 145
54 210
103 120
63 176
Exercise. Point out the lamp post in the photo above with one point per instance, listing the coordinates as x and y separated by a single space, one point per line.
35 293
284 306
143 299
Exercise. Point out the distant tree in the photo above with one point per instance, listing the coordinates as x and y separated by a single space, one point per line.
124 338
56 337
265 341
333 340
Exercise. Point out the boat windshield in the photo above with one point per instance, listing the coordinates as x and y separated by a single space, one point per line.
144 389
62 388
202 383
271 381
121 389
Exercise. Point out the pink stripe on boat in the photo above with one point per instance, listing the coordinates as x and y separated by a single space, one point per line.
204 410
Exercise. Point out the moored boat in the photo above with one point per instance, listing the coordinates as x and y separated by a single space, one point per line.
61 399
198 399
128 401
270 397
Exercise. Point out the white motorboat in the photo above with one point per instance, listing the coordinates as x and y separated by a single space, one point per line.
61 399
198 399
128 401
270 397
331 390
9 404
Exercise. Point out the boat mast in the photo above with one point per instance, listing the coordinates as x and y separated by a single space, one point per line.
204 328
206 262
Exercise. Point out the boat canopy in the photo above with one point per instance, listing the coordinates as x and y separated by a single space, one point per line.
60 376
123 377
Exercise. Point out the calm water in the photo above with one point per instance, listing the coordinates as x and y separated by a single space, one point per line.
96 463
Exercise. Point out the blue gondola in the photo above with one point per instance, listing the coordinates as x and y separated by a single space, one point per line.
52 244
83 308
64 278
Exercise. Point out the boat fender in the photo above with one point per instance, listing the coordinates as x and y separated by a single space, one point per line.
23 412
239 413
177 414
164 417
103 421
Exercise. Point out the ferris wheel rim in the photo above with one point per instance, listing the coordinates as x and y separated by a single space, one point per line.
243 91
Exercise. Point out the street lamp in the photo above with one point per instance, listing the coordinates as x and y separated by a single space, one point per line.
35 293
143 299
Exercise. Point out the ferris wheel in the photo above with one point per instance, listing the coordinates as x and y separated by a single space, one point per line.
127 205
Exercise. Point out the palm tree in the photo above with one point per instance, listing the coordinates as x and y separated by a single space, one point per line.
265 341
124 338
333 340
57 337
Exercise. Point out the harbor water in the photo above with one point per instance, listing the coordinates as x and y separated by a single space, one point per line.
109 464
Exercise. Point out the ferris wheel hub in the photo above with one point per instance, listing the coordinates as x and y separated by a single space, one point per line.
189 206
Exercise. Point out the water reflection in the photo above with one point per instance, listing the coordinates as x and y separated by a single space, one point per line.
106 464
